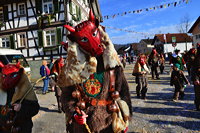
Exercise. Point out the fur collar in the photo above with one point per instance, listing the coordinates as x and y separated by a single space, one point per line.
79 67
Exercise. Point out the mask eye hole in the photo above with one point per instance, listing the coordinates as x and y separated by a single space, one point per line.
15 75
95 33
84 39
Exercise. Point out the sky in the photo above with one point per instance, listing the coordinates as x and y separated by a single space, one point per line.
165 20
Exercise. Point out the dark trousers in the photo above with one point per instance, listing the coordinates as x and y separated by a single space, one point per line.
141 87
197 96
161 68
154 72
178 92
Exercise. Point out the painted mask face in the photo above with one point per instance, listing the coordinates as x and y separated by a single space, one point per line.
193 51
87 35
61 62
154 51
10 75
142 61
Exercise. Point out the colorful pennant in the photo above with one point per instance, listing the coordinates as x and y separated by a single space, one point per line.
174 4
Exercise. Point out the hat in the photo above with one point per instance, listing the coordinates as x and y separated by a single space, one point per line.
177 65
176 50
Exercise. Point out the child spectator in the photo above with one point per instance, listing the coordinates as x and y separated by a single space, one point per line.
178 79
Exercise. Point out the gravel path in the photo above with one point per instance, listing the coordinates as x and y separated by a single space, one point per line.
159 114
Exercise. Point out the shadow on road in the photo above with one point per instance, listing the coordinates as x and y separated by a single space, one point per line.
193 125
48 110
168 111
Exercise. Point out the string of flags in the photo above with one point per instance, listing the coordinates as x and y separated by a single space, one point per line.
130 31
173 4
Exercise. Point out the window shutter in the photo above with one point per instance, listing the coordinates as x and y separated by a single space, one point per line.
77 13
80 17
70 7
5 13
40 38
56 6
59 35
12 41
38 5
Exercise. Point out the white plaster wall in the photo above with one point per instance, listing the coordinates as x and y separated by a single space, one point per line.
180 46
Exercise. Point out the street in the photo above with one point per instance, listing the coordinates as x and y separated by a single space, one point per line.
157 114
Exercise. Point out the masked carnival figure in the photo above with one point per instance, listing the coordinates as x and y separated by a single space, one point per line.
153 61
140 71
177 59
55 71
196 78
18 102
95 94
190 59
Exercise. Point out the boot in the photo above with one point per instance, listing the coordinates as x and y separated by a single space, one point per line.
176 95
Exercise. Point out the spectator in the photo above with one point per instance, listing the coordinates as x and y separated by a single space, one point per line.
44 72
178 79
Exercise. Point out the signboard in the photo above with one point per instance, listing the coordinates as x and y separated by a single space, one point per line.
173 41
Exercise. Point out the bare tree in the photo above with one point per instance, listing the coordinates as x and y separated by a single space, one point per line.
184 25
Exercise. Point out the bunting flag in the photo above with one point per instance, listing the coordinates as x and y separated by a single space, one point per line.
166 5
130 31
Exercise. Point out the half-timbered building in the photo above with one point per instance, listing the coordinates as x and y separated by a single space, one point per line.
35 27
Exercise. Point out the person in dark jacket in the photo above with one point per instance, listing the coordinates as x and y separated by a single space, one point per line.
153 61
178 79
195 76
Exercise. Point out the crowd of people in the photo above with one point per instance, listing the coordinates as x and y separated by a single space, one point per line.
178 63
90 87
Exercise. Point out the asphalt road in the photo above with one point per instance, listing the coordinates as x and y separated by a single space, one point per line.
157 114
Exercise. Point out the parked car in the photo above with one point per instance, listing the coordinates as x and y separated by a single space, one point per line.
13 56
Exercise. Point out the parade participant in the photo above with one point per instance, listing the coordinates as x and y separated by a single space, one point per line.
190 59
56 70
177 58
95 93
153 61
140 71
162 63
45 72
196 78
18 102
178 79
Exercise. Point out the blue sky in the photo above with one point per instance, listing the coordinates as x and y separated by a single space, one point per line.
158 21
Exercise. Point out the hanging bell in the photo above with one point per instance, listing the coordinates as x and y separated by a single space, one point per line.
115 95
76 94
81 105
113 108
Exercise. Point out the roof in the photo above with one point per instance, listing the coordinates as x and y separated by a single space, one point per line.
147 41
194 25
9 52
180 37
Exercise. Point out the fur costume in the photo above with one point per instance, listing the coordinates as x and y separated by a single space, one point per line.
29 106
140 71
77 70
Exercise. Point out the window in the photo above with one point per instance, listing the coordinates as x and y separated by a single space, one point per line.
5 42
1 14
21 40
21 9
50 38
198 36
47 6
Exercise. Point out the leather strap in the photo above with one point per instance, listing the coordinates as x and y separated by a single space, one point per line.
95 102
112 81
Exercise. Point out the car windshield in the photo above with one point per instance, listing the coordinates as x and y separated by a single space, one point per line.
16 58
